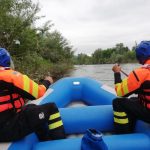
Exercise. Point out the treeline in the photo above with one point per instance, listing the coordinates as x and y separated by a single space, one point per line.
117 54
35 50
40 51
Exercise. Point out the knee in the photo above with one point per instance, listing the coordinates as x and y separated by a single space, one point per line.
116 101
49 105
49 108
52 105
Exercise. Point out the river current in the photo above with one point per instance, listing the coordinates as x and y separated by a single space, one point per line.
102 73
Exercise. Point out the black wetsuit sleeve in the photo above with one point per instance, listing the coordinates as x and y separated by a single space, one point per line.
46 83
117 77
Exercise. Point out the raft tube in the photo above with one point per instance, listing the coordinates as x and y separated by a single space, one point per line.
98 114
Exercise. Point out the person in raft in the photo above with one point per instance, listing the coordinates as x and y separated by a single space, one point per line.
17 119
128 110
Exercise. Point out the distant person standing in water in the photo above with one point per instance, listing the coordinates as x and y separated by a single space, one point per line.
128 110
17 119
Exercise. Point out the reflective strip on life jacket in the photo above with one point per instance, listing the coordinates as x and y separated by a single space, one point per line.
125 86
30 86
131 83
23 84
122 88
118 89
26 86
35 89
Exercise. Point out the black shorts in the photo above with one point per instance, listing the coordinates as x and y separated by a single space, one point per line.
29 119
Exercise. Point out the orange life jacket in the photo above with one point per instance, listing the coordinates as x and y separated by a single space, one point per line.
15 88
144 93
138 80
11 101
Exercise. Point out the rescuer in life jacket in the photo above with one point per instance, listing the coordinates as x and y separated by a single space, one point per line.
17 119
128 110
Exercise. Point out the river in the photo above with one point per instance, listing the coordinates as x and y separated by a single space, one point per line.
102 73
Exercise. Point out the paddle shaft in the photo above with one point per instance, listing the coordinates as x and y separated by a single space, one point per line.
124 73
122 70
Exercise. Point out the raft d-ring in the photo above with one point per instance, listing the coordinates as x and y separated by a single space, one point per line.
76 83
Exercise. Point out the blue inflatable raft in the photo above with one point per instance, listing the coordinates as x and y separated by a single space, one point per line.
95 113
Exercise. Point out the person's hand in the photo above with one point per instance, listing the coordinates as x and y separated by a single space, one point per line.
116 68
49 78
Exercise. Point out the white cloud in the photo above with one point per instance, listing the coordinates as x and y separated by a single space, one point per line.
92 24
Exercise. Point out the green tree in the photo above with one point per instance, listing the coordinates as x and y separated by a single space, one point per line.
27 44
82 59
121 49
56 48
16 17
97 56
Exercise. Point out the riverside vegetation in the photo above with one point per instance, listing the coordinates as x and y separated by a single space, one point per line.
117 54
39 51
35 50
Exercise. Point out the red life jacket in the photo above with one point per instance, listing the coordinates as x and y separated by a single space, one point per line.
10 100
144 94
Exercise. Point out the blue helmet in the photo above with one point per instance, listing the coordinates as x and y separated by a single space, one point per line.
5 59
143 51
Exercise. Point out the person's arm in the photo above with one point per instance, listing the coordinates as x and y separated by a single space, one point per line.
128 85
117 75
27 88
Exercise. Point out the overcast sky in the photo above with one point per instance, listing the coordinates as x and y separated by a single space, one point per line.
92 24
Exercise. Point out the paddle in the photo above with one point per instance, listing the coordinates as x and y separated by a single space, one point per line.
124 73
122 70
